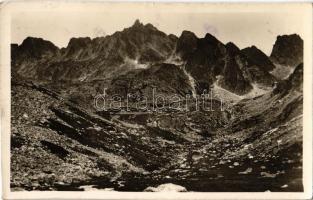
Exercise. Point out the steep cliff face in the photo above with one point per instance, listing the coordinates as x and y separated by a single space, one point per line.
186 44
294 83
288 50
29 57
208 60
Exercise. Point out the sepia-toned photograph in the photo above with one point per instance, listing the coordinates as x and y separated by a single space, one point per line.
156 97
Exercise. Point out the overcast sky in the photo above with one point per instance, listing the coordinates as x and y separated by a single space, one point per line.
244 25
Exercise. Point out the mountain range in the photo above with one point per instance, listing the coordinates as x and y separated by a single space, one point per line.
198 63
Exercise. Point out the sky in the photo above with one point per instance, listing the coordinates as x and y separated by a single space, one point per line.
244 25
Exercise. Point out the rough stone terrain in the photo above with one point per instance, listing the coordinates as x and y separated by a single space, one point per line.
57 145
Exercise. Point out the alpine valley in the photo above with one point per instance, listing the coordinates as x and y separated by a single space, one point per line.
61 141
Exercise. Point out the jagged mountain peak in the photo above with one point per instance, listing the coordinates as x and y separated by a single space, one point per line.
35 48
288 50
252 48
232 48
211 37
79 40
188 34
258 57
293 37
139 26
137 23
173 37
75 46
35 41
31 39
186 44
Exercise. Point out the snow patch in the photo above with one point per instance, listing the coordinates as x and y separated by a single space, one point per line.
282 71
256 91
174 59
167 187
192 82
135 63
91 188
230 97
225 95
247 171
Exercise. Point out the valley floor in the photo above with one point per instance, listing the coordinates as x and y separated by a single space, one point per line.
58 145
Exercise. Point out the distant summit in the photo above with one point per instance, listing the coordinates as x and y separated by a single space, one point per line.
137 23
288 50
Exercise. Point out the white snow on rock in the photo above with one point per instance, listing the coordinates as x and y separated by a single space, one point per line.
167 187
91 188
135 63
284 186
230 97
224 94
282 71
191 82
268 175
256 91
174 59
247 171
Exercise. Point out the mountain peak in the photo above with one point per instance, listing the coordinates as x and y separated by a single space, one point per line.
258 57
33 47
186 44
253 49
80 41
232 48
210 37
137 23
188 34
288 50
289 37
35 41
139 26
75 45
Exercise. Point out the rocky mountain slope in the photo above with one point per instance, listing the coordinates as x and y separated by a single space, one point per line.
86 59
255 145
247 138
165 79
